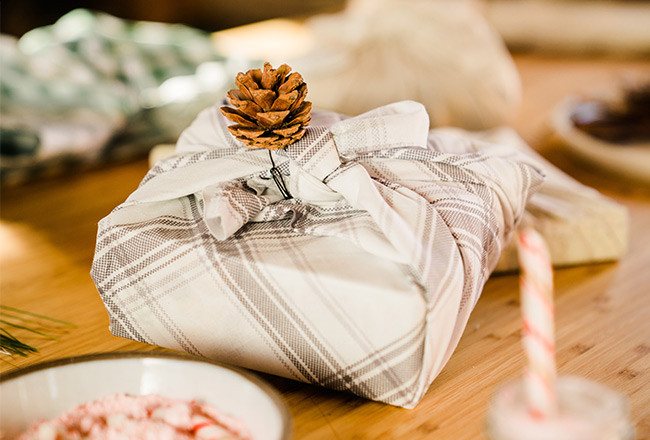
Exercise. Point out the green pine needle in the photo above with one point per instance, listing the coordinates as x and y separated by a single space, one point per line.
35 315
18 319
11 345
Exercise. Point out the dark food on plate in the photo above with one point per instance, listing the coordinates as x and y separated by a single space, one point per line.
624 122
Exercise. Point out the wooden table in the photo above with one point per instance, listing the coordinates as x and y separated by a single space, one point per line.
47 237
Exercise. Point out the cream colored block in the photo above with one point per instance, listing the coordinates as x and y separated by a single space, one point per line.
579 224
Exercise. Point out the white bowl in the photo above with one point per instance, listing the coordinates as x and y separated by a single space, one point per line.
46 390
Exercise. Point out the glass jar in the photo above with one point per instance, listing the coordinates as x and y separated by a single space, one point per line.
586 411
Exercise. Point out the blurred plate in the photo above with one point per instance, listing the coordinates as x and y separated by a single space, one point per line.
629 160
46 390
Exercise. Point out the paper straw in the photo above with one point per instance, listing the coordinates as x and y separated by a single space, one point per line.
536 289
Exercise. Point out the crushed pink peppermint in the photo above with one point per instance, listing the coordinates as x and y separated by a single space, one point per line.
148 417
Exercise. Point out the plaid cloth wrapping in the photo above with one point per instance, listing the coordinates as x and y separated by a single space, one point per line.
363 281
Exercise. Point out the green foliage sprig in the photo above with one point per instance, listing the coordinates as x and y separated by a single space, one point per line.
22 320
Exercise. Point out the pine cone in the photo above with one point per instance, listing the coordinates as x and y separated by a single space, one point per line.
271 111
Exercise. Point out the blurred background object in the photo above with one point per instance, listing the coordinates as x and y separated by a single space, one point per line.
610 133
441 53
619 28
18 17
93 88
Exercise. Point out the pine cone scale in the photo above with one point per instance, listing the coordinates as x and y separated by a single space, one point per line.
246 132
269 79
285 102
293 81
238 117
236 95
246 83
264 98
283 70
272 120
287 131
250 109
302 94
256 76
303 114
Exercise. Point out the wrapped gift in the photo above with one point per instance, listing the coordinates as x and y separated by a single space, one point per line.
360 276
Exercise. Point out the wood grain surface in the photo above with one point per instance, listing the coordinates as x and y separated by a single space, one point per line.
47 237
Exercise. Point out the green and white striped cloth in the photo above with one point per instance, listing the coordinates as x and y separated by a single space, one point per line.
92 88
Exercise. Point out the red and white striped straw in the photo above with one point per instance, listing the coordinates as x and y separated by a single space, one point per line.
538 316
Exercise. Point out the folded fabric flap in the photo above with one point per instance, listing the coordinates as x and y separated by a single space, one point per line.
510 175
404 123
195 176
207 132
316 153
392 212
228 206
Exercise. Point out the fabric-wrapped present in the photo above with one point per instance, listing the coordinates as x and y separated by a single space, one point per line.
362 281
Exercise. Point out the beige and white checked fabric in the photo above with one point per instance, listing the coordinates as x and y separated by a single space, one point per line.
363 281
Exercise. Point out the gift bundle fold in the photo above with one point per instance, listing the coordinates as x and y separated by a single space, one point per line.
363 280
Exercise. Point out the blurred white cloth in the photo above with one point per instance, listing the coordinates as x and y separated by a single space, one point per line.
363 281
441 53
